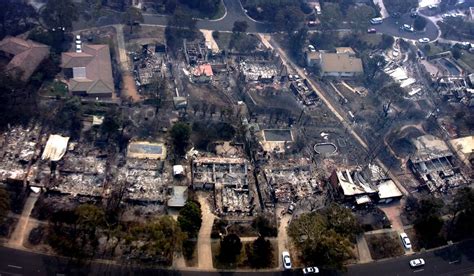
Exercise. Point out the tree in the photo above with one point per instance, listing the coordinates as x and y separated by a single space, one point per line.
289 19
132 16
400 6
4 203
315 239
230 248
359 17
260 253
428 222
462 211
420 23
240 27
190 218
387 41
74 233
342 220
156 240
456 53
59 14
331 17
180 133
16 17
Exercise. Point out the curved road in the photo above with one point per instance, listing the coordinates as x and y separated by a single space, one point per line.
391 26
235 12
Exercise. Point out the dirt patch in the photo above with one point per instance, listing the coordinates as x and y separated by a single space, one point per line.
129 90
207 94
155 32
385 245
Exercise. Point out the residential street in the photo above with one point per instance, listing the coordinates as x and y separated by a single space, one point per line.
452 260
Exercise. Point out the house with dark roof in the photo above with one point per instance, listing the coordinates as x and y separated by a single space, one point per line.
89 72
26 56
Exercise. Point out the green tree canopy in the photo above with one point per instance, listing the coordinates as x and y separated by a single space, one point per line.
317 239
289 19
331 17
240 27
462 210
359 17
190 218
260 253
420 23
180 133
156 240
428 222
230 248
60 13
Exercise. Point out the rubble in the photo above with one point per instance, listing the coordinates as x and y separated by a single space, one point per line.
228 177
434 164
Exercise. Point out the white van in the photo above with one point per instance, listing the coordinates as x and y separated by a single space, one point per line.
376 20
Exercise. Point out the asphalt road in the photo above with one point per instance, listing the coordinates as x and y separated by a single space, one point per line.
391 26
453 260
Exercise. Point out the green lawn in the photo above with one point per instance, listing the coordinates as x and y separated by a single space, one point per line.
371 39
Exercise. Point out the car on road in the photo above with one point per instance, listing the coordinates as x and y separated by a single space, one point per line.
310 270
424 40
407 28
417 262
286 259
376 20
405 240
371 31
395 53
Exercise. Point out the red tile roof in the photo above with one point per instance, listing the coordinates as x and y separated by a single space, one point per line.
27 55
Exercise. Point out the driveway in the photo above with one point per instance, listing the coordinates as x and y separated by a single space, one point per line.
204 236
283 244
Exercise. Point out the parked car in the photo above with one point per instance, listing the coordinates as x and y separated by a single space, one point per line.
286 259
417 262
310 270
424 40
407 28
371 31
291 208
413 12
405 240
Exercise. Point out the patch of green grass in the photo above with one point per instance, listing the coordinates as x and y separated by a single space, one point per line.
371 39
54 89
432 49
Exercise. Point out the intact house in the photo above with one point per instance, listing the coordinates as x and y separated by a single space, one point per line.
366 185
25 56
343 63
89 72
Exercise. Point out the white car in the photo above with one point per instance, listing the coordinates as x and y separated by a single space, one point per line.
424 40
405 240
310 270
417 262
286 259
